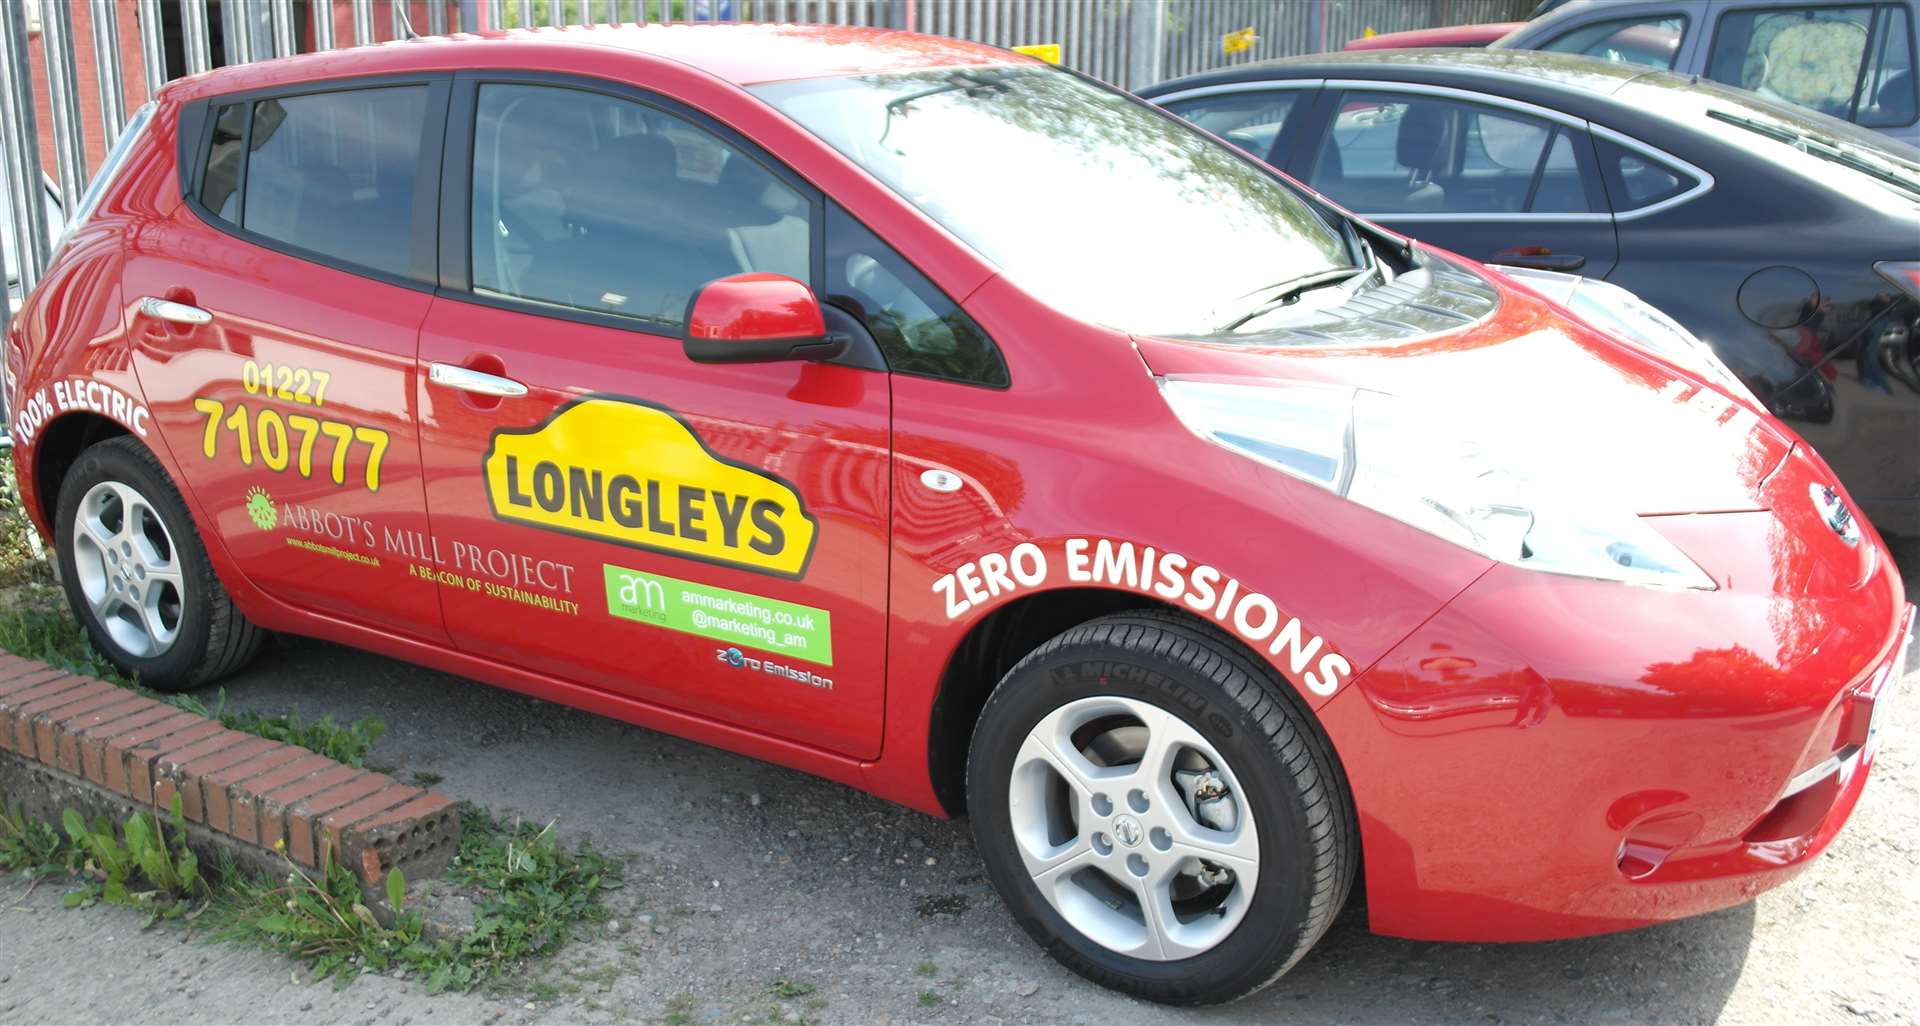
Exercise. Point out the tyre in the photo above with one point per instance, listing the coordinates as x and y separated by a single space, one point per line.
1158 812
137 575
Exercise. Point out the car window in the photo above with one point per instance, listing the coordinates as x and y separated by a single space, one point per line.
1853 62
1405 154
330 173
920 330
1652 40
1636 180
588 201
1251 121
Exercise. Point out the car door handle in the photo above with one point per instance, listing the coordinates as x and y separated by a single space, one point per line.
1539 258
172 312
474 381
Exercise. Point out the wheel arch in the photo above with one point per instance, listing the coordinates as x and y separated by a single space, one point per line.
1002 637
56 449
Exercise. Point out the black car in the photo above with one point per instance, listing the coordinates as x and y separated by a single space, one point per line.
1788 240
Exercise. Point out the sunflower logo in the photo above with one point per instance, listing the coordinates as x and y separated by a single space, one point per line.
260 509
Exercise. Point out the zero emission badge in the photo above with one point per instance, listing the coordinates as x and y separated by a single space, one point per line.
634 474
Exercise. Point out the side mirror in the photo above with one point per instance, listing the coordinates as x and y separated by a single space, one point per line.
757 318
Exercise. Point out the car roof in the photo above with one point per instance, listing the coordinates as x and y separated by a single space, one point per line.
1566 72
741 53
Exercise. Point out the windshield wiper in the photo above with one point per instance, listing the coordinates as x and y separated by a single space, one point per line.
1283 293
973 83
1823 150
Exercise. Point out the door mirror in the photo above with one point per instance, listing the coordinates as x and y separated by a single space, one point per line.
757 318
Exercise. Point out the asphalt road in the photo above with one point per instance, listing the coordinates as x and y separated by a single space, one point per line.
739 874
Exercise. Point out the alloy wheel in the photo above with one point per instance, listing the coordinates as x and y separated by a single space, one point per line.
128 569
1132 827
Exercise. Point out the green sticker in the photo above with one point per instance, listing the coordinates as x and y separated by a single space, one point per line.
735 617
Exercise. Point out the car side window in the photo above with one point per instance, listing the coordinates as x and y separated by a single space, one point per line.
920 330
1854 62
1650 40
591 202
1636 180
331 173
1250 120
1391 153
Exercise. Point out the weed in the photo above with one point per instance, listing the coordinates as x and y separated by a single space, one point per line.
930 999
30 846
348 744
787 990
679 1010
927 969
422 778
136 867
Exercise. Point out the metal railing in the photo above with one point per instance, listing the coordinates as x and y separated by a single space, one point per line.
1129 42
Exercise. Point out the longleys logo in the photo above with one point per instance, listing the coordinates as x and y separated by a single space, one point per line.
634 474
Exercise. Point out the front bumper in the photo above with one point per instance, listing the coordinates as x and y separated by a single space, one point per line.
1551 758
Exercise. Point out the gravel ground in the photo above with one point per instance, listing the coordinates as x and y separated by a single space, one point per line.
740 874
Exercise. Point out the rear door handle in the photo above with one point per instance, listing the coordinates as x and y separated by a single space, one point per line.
474 381
174 313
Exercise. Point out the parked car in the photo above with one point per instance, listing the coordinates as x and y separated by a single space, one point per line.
1445 37
926 417
1852 59
1788 241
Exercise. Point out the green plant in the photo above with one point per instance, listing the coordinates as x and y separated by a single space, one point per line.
348 744
30 846
787 990
38 626
929 999
925 969
138 855
322 920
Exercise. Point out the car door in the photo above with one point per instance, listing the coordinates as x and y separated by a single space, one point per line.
709 538
274 324
1496 180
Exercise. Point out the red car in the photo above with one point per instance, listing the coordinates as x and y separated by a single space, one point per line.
922 416
1446 37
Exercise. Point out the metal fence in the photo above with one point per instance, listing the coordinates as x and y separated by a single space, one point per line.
71 70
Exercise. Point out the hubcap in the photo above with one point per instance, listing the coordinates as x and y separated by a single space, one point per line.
1132 827
128 569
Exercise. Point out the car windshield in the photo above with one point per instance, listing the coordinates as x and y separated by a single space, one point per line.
1093 202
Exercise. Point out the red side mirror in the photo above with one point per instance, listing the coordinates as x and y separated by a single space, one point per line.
756 318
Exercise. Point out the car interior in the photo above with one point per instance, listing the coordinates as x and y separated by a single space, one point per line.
1421 155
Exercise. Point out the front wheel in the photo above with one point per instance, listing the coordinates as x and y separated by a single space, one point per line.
137 576
1157 811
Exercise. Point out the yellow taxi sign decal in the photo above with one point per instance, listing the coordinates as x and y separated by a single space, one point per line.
635 475
1239 42
1049 52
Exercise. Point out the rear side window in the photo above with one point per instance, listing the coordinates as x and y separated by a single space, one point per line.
1650 40
1854 61
1636 180
1411 154
334 174
1251 120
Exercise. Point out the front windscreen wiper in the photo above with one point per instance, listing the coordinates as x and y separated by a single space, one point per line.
1283 293
1823 150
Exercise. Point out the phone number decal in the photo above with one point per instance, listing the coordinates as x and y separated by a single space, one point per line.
281 441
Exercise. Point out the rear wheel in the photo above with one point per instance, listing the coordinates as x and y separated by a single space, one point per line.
137 575
1157 811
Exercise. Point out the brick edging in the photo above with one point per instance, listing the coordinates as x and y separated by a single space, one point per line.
246 788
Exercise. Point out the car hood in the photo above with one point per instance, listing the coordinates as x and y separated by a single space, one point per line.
1560 394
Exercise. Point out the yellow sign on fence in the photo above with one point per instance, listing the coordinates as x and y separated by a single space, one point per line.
1049 52
1239 42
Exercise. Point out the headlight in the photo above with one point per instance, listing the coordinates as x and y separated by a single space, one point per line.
1626 316
1396 458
